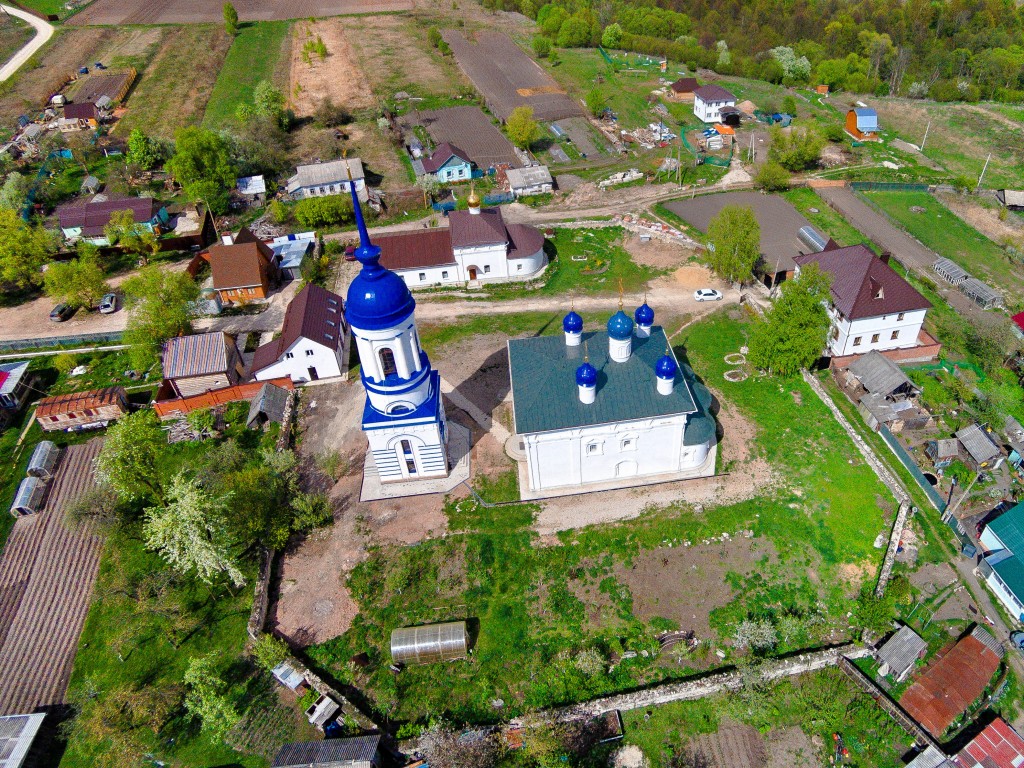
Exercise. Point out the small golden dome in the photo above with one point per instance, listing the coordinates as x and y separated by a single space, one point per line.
473 201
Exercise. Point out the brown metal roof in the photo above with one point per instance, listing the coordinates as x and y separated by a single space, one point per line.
475 229
685 85
240 265
419 248
950 684
713 92
523 241
863 285
198 355
315 314
442 154
93 216
83 111
59 405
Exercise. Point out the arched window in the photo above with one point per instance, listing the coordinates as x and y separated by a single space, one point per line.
387 362
406 448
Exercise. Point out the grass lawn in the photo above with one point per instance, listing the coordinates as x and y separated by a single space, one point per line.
825 219
55 7
14 33
253 57
536 608
161 103
941 230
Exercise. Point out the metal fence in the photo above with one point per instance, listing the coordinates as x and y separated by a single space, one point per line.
907 461
19 345
498 198
887 186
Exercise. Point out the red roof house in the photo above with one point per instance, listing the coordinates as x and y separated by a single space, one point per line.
998 746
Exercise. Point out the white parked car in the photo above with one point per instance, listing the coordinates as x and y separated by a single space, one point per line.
707 294
108 304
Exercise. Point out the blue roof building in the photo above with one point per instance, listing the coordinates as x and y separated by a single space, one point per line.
1002 567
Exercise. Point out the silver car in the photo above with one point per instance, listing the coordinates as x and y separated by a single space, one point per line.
108 304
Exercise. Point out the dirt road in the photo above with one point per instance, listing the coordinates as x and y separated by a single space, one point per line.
44 31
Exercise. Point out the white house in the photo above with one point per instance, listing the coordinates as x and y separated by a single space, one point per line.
449 164
708 101
477 246
535 180
1003 571
607 409
322 179
312 344
872 307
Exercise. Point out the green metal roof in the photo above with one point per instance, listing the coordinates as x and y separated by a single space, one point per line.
545 397
1009 527
1011 571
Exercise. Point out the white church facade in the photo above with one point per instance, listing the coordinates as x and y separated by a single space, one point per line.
403 418
478 246
608 409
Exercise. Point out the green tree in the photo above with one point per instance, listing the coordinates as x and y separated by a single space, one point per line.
132 236
574 33
521 128
206 696
796 150
789 105
14 191
541 46
230 20
595 101
434 37
159 307
269 651
190 532
873 614
267 101
794 331
772 177
143 151
202 165
78 282
24 249
129 459
734 243
320 212
612 36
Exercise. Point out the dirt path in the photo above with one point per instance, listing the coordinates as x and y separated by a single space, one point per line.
44 31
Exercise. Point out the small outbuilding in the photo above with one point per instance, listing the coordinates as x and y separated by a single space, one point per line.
683 88
862 124
900 652
1011 198
30 497
268 405
950 271
942 452
881 376
430 643
980 446
44 460
322 711
982 294
288 676
77 411
535 180
358 752
252 188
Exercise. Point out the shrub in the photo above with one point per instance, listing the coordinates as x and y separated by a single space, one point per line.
772 177
541 46
268 651
65 362
311 511
319 212
278 212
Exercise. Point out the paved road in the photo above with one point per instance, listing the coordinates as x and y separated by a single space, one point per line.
44 31
905 249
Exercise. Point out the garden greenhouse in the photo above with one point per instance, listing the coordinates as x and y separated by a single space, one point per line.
430 643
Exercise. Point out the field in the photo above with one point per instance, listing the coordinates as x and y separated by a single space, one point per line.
47 572
253 56
338 77
508 78
14 33
162 101
961 136
54 7
540 602
941 230
120 12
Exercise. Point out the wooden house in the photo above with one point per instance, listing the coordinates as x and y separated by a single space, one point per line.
683 88
243 271
862 124
82 410
196 364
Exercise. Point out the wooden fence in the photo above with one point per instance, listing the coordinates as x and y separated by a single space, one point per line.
182 406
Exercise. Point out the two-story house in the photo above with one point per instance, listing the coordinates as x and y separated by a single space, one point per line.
872 307
322 179
709 100
312 344
243 271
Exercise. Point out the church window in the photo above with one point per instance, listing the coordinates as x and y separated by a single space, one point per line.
423 276
895 335
629 444
487 268
444 275
874 338
289 355
519 267
387 362
595 448
900 315
856 341
310 353
406 448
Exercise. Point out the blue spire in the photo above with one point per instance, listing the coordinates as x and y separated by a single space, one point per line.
666 367
644 315
367 253
586 375
572 323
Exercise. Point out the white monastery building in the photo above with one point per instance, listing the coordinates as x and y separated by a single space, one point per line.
312 344
608 409
403 418
872 307
477 246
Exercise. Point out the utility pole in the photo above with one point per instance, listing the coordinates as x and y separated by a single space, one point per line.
925 139
983 172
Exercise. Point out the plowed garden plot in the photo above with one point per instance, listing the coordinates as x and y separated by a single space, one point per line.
338 77
47 572
117 12
508 78
469 129
162 100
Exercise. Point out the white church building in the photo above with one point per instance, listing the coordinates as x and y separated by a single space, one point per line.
477 246
607 409
403 418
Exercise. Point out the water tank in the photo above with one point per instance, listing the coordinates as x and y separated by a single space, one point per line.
810 237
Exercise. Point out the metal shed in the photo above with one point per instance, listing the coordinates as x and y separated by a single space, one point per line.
813 239
950 271
44 460
430 643
29 499
981 294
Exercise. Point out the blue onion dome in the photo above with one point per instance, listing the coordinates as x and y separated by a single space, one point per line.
666 367
620 327
572 323
644 315
586 375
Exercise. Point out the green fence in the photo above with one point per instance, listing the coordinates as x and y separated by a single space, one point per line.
605 56
887 186
911 466
60 341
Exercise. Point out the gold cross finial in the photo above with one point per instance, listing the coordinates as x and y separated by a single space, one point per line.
620 294
586 354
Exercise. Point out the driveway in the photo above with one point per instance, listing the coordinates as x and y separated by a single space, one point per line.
44 31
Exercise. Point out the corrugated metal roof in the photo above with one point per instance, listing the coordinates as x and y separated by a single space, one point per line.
1011 571
931 758
879 374
685 85
332 752
545 396
198 355
252 185
74 402
315 314
319 174
1009 527
17 732
442 154
901 650
11 375
523 240
998 745
713 92
978 443
418 248
93 216
469 230
241 265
